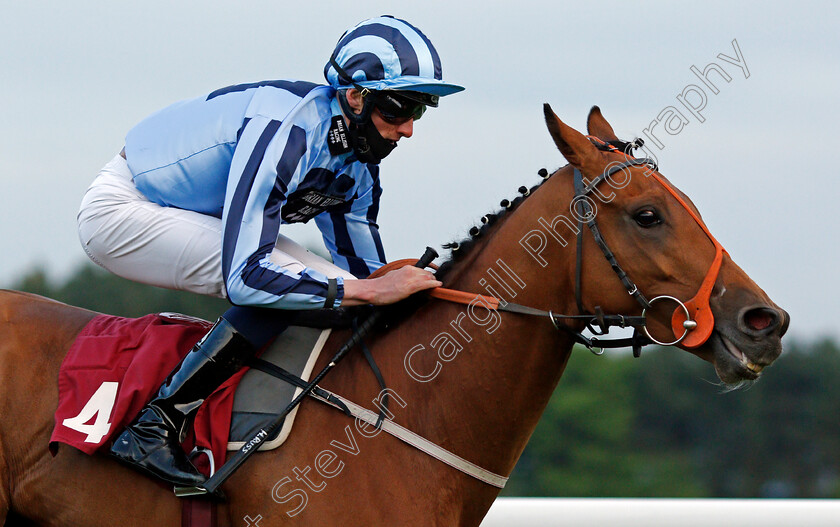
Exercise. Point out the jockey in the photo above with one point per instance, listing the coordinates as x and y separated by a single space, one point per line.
196 200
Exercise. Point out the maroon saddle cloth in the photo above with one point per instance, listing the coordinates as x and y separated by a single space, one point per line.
116 365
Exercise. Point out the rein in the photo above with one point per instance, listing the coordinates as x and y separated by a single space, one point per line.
598 323
599 320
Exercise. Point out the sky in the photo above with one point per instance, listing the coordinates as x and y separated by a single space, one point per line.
75 77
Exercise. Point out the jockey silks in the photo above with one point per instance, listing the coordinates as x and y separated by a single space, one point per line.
240 154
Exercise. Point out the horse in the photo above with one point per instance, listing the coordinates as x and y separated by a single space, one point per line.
472 379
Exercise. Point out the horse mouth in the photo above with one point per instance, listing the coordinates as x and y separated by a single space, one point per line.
732 364
740 357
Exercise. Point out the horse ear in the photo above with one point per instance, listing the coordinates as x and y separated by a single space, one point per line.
574 146
598 126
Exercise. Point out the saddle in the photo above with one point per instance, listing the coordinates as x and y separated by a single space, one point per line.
264 390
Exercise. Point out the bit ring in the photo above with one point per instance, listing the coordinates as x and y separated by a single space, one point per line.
688 324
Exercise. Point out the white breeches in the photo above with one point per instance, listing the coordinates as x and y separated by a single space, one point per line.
124 232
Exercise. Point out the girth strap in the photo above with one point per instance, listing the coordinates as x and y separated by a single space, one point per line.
198 512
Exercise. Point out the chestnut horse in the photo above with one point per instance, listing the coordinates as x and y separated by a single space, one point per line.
475 381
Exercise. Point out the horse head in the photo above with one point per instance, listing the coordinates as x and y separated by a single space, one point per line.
692 292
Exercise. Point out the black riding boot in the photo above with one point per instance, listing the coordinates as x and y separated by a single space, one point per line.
152 443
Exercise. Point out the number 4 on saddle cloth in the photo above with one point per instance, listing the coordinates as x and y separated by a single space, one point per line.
116 365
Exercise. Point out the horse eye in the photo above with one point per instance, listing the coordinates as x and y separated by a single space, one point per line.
647 218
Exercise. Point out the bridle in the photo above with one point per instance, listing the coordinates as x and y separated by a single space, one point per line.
692 320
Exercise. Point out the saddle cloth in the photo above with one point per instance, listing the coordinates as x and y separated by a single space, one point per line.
116 365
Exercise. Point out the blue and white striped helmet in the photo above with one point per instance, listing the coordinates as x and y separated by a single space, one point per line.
386 53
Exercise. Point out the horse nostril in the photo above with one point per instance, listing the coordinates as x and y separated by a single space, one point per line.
785 323
760 319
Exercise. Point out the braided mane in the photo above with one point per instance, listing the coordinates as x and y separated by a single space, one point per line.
460 249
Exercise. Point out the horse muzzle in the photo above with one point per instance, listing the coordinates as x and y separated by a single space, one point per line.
743 347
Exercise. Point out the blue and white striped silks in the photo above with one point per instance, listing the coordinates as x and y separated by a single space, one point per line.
256 156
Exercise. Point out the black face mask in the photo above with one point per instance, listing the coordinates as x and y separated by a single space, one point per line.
368 143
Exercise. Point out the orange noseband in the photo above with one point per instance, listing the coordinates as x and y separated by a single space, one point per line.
698 307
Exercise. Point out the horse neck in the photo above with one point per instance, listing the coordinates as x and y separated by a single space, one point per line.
501 379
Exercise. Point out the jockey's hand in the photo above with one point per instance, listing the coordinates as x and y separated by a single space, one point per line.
392 287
